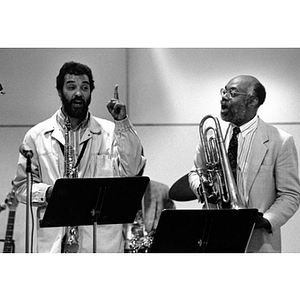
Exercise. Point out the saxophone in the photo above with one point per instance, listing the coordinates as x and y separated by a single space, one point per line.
70 242
137 239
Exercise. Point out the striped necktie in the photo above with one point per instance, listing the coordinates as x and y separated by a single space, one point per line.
232 150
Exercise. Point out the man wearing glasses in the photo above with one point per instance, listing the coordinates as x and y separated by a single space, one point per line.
266 165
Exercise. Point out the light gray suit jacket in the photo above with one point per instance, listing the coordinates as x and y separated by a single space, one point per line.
272 183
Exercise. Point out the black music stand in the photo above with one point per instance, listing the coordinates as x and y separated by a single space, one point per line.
92 201
204 231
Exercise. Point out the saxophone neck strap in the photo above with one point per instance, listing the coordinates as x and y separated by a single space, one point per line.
62 147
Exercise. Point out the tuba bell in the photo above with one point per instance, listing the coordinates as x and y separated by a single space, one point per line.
217 184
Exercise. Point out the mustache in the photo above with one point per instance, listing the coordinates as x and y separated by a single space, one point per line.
78 98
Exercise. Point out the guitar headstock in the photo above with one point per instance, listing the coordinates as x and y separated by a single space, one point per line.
11 200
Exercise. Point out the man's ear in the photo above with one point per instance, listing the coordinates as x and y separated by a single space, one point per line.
59 94
253 101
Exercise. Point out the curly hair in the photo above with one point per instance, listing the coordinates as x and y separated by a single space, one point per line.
73 68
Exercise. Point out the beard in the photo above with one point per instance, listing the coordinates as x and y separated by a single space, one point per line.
236 118
235 114
75 112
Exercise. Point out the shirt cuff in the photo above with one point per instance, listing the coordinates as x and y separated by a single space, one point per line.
39 194
123 125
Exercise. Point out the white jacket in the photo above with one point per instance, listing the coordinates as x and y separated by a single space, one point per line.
113 149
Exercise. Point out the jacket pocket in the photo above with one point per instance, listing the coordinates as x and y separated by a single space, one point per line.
103 166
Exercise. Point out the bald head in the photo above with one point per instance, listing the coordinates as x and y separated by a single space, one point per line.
245 96
251 86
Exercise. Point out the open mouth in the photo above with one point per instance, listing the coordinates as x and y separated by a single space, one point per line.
78 103
224 108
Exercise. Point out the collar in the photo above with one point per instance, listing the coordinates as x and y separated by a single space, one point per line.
62 119
247 127
55 124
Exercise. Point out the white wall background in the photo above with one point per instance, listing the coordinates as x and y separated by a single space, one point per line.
29 79
171 90
167 91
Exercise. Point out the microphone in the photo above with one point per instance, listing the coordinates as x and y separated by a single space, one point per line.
1 90
2 206
25 151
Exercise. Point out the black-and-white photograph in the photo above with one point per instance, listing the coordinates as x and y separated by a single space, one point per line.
125 158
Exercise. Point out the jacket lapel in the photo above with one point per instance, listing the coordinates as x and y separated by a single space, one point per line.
54 129
258 153
94 128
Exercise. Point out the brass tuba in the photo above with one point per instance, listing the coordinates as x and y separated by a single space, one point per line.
217 184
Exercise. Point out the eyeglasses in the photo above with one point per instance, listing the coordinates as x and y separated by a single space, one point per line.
229 94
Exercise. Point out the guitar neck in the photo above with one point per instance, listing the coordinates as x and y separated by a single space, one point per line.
9 243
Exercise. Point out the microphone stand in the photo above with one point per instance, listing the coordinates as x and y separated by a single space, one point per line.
28 200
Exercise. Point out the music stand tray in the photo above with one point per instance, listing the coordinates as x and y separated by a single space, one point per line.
84 201
204 231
